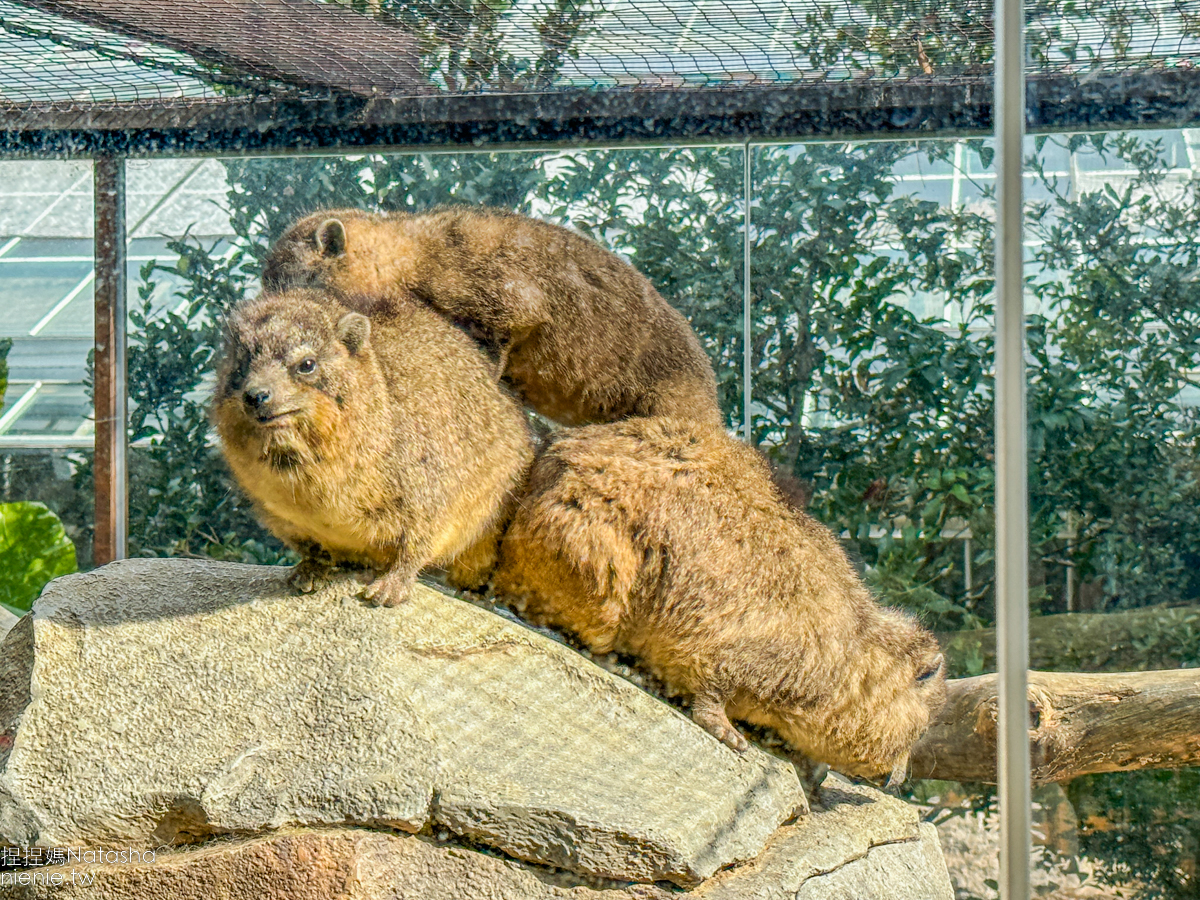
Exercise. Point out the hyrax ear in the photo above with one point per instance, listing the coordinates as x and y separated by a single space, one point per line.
331 238
353 329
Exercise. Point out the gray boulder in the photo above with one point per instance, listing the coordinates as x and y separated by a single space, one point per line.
857 845
7 621
158 701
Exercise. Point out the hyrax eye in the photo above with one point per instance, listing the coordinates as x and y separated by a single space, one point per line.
934 667
307 366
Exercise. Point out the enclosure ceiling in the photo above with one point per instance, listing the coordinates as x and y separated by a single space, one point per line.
142 76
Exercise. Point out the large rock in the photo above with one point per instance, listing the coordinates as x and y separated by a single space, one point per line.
347 864
7 621
860 845
154 701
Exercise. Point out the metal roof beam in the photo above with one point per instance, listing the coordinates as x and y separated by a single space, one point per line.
852 109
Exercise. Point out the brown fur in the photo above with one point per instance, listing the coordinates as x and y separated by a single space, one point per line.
668 541
580 334
398 451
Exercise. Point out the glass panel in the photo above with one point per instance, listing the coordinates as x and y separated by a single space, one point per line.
872 346
1114 317
45 336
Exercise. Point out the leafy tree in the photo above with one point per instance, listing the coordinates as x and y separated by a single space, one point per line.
903 38
1142 827
465 48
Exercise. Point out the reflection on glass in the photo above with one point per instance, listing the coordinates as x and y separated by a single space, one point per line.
46 429
871 384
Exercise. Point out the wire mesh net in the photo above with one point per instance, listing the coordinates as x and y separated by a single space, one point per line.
104 50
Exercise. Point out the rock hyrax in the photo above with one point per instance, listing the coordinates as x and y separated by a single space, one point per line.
580 334
668 541
385 444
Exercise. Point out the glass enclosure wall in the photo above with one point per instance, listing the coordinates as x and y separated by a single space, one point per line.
46 275
1113 364
870 381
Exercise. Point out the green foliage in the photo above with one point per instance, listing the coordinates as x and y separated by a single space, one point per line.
5 346
1143 827
465 46
1117 344
34 549
915 37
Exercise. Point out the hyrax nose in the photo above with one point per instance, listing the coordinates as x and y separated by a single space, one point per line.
256 399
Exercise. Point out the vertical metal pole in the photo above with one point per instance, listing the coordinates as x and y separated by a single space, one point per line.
109 369
1012 524
747 326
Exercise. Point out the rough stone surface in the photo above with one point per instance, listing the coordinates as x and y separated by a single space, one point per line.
874 849
205 698
7 621
313 865
855 840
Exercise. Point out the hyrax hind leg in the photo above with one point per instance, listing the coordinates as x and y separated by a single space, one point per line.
708 711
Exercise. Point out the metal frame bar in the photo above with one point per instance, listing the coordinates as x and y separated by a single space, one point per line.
109 468
22 403
747 300
912 108
62 304
1012 520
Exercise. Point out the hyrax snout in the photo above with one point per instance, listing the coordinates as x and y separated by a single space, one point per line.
667 541
580 334
381 444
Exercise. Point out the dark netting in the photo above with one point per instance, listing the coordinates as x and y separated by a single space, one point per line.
113 50
127 75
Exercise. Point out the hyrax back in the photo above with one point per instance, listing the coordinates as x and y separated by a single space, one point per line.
668 541
581 335
385 444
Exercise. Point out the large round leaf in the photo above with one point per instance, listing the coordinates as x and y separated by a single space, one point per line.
34 548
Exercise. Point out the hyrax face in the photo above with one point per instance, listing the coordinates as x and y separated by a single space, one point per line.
919 695
287 373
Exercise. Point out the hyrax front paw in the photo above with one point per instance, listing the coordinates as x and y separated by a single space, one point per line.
389 589
309 575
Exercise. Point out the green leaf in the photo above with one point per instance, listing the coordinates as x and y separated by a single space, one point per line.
5 346
34 548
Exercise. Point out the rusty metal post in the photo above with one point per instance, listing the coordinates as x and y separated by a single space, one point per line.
109 469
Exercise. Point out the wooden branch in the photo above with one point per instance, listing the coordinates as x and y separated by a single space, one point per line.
1156 637
1081 724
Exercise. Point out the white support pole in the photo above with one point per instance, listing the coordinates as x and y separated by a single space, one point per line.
1012 524
747 327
